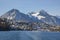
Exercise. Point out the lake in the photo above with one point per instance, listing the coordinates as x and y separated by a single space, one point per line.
29 35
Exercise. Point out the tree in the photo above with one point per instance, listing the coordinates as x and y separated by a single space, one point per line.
4 25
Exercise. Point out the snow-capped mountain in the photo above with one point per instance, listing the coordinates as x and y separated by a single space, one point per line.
40 17
45 17
14 14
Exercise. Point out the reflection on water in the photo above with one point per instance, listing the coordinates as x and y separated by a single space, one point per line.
29 35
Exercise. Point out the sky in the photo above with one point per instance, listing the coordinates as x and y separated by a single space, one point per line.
50 6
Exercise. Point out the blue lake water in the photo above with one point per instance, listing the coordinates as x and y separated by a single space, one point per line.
29 35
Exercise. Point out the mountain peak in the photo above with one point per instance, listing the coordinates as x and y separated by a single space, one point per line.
42 10
43 13
11 13
13 10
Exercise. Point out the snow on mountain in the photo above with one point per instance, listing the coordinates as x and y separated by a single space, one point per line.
14 14
45 17
38 16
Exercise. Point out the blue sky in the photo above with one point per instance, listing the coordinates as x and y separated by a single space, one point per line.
25 6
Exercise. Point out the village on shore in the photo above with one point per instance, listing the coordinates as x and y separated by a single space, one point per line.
24 26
